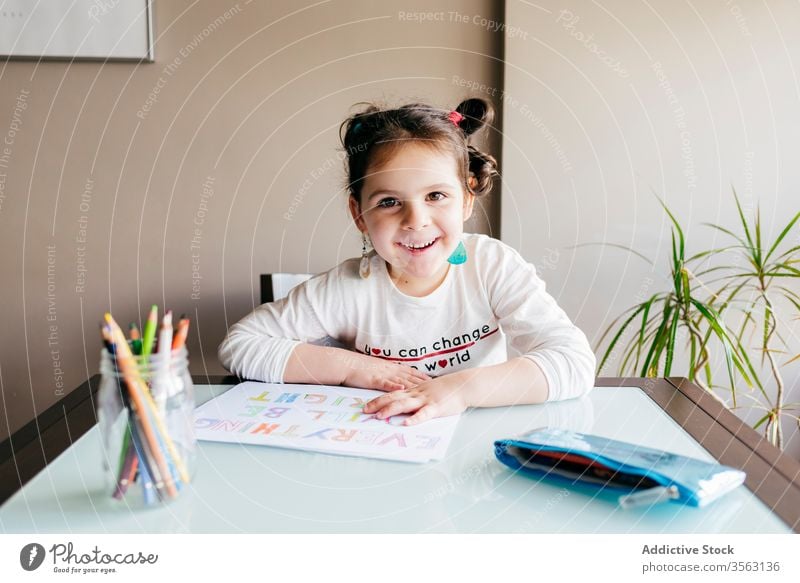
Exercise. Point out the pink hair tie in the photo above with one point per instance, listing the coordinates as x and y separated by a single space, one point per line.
456 118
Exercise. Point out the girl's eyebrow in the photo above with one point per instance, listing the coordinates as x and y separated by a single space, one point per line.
382 191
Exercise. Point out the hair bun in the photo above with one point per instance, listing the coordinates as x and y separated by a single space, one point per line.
477 114
353 130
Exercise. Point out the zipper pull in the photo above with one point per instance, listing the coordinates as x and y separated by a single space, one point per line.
649 497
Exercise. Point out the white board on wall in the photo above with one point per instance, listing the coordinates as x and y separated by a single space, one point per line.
76 29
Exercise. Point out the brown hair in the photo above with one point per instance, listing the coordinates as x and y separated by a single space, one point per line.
371 136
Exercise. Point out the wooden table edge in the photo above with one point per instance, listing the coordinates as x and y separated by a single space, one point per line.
719 431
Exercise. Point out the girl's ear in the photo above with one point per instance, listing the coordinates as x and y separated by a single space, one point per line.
469 201
355 211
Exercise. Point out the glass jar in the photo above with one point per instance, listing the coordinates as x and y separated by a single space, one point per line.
145 415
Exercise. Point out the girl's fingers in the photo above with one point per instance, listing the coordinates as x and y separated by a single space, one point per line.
390 385
404 381
415 372
375 404
398 406
408 381
378 403
413 381
423 414
416 377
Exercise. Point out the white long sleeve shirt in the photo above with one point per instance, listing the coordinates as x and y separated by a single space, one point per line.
492 301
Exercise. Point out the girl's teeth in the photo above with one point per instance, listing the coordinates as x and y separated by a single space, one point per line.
428 244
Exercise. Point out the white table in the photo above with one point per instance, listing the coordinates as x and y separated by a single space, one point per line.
247 489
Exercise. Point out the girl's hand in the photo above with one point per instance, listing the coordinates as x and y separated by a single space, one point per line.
368 372
437 397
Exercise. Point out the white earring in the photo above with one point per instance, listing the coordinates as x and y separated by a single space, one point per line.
363 268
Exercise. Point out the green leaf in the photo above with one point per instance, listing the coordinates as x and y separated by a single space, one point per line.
677 227
758 235
612 324
731 358
661 344
760 422
632 347
727 232
793 301
711 269
790 292
793 272
671 344
780 238
676 267
656 341
748 318
789 252
702 254
647 306
617 337
686 289
744 221
752 370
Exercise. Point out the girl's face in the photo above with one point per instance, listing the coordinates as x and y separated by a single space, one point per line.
413 208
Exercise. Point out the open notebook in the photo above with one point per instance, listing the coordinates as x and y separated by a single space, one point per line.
318 418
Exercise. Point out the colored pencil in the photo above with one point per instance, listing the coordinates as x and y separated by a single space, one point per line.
125 449
165 337
124 474
150 331
136 339
160 382
183 332
145 468
124 453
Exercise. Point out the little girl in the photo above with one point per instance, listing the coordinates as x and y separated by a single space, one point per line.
426 314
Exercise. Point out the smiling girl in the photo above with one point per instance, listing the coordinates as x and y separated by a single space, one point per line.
427 314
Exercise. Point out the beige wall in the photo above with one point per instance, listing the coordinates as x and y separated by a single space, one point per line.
608 103
243 130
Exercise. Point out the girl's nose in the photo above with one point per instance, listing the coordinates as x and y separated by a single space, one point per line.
416 216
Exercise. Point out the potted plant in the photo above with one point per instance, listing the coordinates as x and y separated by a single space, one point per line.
699 305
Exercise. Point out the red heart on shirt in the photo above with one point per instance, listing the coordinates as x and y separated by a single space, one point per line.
443 363
376 351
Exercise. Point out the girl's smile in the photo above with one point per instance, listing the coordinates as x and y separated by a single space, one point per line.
413 208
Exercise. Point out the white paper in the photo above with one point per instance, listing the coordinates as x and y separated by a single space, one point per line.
319 418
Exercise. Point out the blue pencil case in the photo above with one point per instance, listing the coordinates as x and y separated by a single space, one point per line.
642 475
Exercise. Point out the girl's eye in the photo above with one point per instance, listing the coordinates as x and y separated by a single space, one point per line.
393 202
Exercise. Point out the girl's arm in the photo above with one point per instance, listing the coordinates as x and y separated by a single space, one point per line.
515 382
321 365
518 381
561 364
260 345
270 345
327 365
